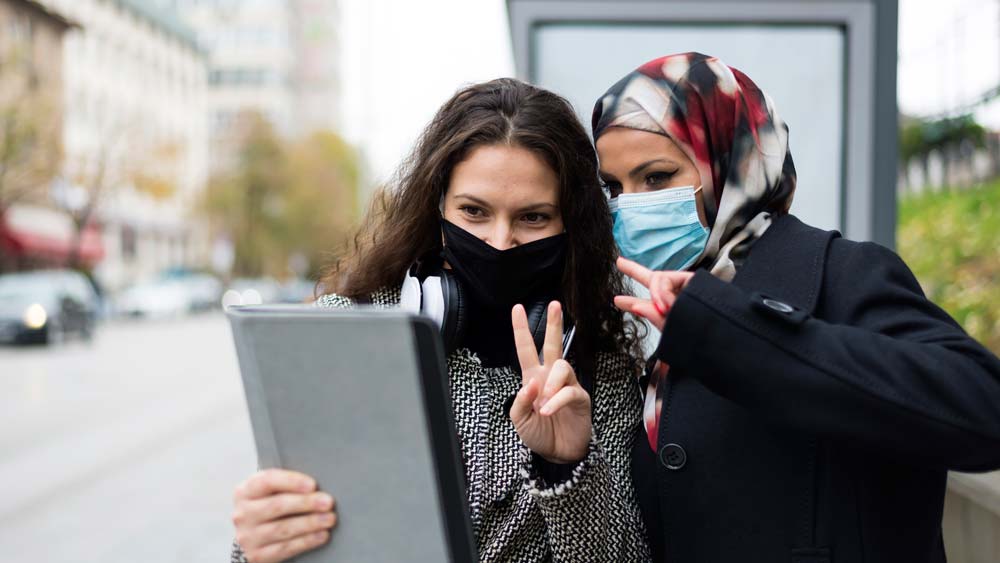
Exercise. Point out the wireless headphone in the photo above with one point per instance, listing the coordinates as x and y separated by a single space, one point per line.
442 297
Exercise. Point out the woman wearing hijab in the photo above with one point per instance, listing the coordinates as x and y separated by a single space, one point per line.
497 211
806 400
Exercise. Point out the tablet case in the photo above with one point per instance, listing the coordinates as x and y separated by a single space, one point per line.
359 399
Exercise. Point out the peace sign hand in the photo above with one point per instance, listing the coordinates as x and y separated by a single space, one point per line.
551 412
664 287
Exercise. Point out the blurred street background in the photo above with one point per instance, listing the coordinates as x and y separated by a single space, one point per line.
163 159
125 448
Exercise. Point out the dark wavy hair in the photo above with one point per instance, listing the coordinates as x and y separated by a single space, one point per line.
402 223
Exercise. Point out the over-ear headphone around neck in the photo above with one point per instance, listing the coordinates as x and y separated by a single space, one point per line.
435 291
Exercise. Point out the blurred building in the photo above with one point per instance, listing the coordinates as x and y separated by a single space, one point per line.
31 85
316 74
269 57
135 135
31 38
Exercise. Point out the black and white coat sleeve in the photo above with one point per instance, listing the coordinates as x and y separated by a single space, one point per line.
877 364
590 512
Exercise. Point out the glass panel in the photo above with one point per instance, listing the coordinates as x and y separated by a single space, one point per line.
800 66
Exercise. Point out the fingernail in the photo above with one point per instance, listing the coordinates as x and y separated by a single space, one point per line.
307 485
319 536
324 502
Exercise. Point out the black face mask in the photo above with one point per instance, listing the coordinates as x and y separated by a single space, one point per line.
503 278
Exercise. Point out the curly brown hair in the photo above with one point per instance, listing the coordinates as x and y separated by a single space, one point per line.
402 223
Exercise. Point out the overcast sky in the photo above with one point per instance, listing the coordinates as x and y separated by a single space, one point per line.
949 54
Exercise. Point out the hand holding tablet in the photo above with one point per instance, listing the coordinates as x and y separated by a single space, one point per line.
352 404
279 514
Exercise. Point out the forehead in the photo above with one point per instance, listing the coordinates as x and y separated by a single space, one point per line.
619 144
504 172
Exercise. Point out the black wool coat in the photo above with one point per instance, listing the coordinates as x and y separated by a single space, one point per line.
812 410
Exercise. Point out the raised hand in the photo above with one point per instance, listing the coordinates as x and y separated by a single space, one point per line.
664 287
551 412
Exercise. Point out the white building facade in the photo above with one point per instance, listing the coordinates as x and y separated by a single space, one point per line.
275 58
135 84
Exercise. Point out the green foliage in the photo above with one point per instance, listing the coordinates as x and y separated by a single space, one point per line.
951 240
918 137
285 199
323 197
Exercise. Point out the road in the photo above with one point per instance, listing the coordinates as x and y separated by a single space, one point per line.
124 449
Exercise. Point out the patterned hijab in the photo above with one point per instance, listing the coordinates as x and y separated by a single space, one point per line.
728 128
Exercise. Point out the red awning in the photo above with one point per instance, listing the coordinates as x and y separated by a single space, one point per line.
43 234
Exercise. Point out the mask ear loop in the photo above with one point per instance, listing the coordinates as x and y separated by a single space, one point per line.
706 227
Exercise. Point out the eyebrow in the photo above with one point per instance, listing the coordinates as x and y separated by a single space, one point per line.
527 208
638 170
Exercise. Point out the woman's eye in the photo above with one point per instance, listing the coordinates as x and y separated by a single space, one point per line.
658 178
472 211
535 218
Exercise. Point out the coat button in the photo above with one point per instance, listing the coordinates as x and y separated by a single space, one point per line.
672 456
778 306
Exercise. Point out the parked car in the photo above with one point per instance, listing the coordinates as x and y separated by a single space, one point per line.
45 306
173 293
154 299
203 290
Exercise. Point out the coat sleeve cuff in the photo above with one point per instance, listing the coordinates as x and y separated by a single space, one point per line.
236 554
550 472
547 482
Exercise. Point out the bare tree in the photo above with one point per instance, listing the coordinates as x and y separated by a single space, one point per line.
30 134
124 156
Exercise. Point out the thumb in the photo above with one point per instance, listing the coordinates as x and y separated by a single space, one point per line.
523 407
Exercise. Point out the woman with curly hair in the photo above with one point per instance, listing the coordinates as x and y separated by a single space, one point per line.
498 228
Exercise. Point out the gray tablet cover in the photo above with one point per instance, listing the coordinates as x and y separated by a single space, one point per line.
359 400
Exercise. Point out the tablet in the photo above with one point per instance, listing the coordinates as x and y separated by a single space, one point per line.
359 399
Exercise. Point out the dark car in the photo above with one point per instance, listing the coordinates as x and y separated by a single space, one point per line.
46 305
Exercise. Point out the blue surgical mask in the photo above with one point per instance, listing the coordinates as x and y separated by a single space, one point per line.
660 229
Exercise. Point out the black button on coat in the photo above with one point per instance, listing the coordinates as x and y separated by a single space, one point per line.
820 399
